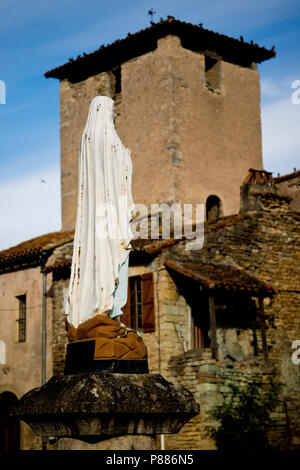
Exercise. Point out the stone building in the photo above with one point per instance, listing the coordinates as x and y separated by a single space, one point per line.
289 184
188 105
27 360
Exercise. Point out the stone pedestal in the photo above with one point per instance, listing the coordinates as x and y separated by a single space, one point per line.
113 411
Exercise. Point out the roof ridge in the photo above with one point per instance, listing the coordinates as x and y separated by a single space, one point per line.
154 32
35 244
287 176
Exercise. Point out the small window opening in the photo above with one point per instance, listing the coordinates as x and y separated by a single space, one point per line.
201 329
138 313
235 325
117 80
136 302
213 208
22 318
212 73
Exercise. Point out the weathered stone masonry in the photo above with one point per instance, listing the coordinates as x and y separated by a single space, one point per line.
267 245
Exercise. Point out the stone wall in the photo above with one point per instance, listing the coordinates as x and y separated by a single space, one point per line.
60 340
173 320
267 245
209 381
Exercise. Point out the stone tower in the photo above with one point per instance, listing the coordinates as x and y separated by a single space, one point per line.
188 107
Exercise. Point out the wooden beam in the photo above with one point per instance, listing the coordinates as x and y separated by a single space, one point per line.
255 346
262 322
213 327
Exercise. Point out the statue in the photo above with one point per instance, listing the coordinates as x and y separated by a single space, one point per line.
99 274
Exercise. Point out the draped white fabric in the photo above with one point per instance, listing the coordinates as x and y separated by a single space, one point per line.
102 234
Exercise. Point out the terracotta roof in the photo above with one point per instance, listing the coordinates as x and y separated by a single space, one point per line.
193 37
61 261
288 176
152 246
30 252
259 177
139 246
221 277
142 246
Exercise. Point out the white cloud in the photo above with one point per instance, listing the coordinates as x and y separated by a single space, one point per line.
281 136
279 88
29 207
270 88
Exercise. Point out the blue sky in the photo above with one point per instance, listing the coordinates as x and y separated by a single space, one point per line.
36 36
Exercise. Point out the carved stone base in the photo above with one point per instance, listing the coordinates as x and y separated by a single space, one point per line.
94 407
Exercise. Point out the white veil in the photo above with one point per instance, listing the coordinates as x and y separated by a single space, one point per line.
102 235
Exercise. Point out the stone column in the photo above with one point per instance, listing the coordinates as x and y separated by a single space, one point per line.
116 443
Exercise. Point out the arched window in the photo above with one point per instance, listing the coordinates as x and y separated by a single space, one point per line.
213 207
9 426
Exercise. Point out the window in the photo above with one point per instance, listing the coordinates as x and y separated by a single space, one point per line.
138 313
116 73
136 302
200 324
212 73
213 208
235 325
22 318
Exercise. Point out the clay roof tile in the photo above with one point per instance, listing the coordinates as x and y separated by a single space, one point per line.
28 253
229 278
